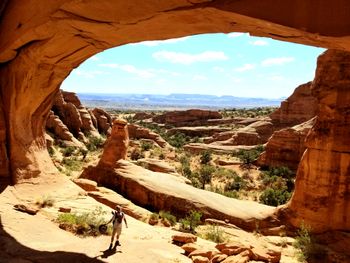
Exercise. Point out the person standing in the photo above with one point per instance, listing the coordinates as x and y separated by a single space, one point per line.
117 220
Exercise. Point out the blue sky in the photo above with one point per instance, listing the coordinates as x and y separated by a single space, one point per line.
217 64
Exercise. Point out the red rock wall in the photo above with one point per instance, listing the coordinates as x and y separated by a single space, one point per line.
301 106
322 191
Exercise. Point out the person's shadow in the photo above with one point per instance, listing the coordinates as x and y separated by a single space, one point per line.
109 252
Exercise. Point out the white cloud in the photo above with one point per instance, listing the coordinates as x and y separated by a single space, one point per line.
199 77
88 73
142 73
245 67
153 43
276 61
218 69
236 34
185 58
259 43
164 71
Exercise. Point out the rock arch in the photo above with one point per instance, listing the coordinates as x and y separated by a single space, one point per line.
42 42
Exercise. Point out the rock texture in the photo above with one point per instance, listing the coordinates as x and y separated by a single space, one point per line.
69 120
103 120
286 147
139 132
300 107
322 189
39 51
198 131
186 118
159 191
256 133
116 145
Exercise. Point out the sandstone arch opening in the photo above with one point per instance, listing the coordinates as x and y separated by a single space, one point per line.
38 53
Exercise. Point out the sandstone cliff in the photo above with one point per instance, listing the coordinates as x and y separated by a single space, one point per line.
186 118
286 146
301 106
322 187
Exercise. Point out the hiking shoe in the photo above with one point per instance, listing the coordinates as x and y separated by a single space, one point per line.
117 243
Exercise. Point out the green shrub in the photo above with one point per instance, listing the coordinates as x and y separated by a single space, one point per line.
206 157
225 173
205 174
178 140
72 164
136 154
191 221
145 146
95 143
237 183
274 197
168 216
83 223
68 151
307 247
215 234
247 157
51 151
46 201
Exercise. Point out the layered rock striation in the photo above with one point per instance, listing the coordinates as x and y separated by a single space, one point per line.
286 147
322 189
300 107
186 118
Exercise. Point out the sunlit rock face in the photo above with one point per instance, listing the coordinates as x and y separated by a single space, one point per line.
116 145
322 191
286 147
42 42
301 106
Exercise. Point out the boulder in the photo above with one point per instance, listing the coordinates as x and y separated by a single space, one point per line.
156 165
286 147
139 132
190 247
184 238
200 259
87 185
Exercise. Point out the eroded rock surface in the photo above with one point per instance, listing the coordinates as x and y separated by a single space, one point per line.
286 147
300 107
322 189
139 132
159 191
190 117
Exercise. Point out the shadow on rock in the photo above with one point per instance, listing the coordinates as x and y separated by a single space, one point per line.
12 250
109 252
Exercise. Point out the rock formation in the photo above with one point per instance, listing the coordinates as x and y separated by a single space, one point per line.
103 120
69 120
139 132
186 118
256 133
38 51
286 146
301 106
322 187
142 116
60 130
160 191
198 131
116 145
